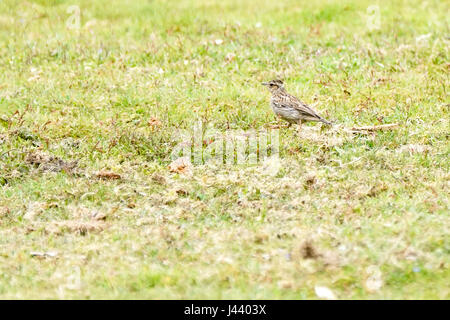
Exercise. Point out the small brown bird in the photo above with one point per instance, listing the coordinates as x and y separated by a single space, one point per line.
288 107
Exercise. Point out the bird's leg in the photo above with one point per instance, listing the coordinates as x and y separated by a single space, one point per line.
299 126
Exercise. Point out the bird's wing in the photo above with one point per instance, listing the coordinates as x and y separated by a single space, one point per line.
304 109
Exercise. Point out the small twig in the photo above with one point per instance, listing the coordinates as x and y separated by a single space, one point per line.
21 119
45 124
382 127
96 148
8 151
351 162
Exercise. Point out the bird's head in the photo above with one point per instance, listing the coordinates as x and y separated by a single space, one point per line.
274 85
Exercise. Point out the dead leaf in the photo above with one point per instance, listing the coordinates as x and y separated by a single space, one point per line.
310 180
78 227
285 284
159 178
107 175
182 192
308 251
46 162
97 215
181 165
154 122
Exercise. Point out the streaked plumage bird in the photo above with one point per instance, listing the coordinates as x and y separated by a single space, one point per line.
288 107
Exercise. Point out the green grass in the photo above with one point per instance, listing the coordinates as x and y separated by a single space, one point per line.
369 206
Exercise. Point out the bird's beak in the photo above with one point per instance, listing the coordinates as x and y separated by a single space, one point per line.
265 83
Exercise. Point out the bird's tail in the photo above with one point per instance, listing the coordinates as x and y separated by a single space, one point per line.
325 121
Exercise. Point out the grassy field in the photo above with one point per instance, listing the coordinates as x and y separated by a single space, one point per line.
94 95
